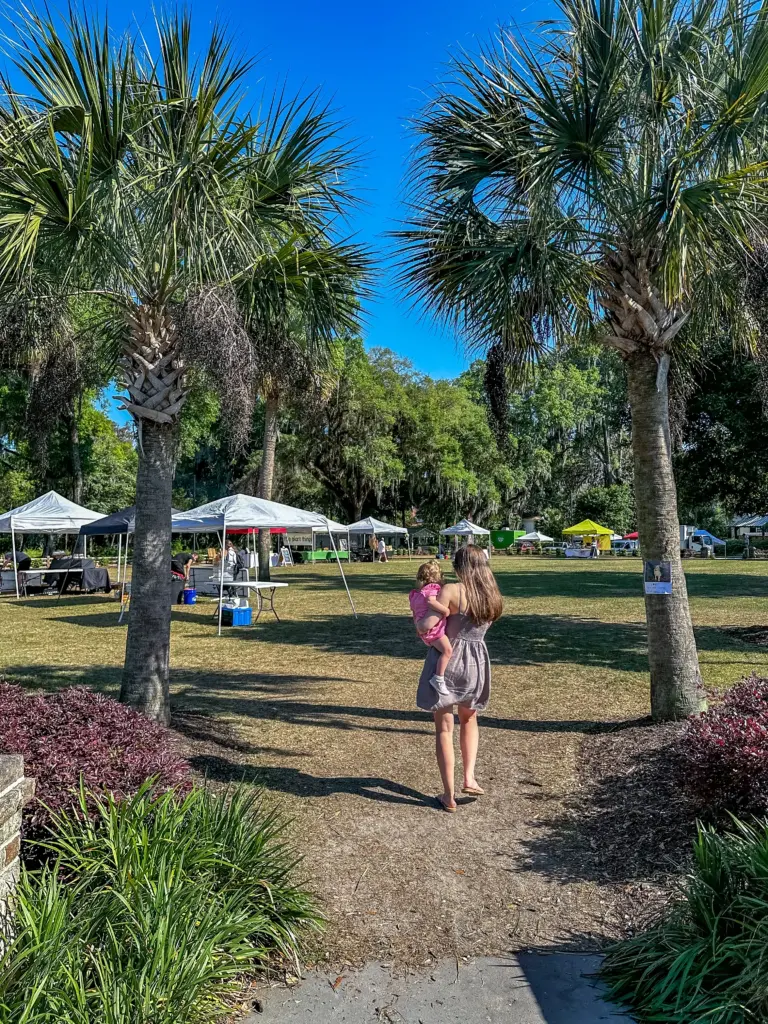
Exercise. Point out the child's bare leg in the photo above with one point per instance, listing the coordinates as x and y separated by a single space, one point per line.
443 646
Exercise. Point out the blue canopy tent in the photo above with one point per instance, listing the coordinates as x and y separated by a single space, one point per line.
710 538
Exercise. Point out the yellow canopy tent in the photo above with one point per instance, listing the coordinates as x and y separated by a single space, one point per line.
587 529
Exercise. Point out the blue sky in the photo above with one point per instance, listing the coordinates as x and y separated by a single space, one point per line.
375 62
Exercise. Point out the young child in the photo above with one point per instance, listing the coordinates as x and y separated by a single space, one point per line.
429 615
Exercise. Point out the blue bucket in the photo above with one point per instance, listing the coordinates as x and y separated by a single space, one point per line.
190 595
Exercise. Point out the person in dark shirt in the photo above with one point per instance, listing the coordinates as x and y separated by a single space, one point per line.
181 563
20 559
180 566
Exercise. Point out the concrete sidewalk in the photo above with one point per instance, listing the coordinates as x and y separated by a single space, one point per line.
529 988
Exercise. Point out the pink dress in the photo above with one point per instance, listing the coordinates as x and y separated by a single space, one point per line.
420 608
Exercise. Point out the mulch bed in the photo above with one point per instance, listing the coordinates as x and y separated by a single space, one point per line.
638 822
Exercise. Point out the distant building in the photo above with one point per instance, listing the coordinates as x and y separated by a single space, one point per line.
749 526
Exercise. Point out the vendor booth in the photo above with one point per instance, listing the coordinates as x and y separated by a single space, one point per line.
243 511
50 513
121 523
314 545
586 539
369 527
709 540
468 530
533 538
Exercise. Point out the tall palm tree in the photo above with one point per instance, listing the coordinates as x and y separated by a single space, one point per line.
140 179
624 147
294 333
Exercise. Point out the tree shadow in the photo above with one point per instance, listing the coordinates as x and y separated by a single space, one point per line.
224 697
586 581
204 728
630 821
514 640
67 601
202 699
302 784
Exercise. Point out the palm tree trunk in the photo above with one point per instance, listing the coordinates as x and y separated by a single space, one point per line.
607 472
154 371
77 462
267 475
147 651
675 677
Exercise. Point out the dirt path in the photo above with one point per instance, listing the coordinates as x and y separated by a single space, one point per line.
400 880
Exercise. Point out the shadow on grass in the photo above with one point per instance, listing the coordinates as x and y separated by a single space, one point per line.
67 601
630 820
204 695
514 640
298 783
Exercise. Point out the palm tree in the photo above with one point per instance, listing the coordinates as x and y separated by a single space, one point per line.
294 332
618 149
142 182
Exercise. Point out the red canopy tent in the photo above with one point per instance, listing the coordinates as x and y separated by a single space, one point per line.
255 529
631 536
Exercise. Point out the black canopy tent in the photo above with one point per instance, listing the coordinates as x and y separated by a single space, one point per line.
122 523
117 522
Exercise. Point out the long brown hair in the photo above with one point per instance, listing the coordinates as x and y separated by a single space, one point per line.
484 603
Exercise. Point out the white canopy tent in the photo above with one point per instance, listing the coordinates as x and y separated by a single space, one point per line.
466 529
370 525
535 537
50 513
243 511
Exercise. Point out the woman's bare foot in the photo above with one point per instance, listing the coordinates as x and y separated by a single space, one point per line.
471 787
448 803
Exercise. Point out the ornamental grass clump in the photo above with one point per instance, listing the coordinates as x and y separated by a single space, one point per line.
152 910
75 740
708 960
725 752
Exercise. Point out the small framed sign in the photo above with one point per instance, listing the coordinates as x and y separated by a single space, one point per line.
658 577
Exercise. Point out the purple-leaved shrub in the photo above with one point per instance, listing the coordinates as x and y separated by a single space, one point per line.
76 735
725 751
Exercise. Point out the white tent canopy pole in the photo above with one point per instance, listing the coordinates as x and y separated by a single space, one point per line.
221 568
15 563
120 552
341 569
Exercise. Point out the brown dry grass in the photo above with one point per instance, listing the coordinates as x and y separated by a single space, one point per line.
319 709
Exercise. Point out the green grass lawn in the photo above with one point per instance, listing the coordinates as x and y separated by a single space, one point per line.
579 621
319 709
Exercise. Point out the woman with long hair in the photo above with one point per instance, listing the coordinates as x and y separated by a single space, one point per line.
474 604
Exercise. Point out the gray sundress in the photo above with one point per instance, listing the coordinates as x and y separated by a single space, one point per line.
468 676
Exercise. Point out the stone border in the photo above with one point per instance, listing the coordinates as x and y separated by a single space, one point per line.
15 792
